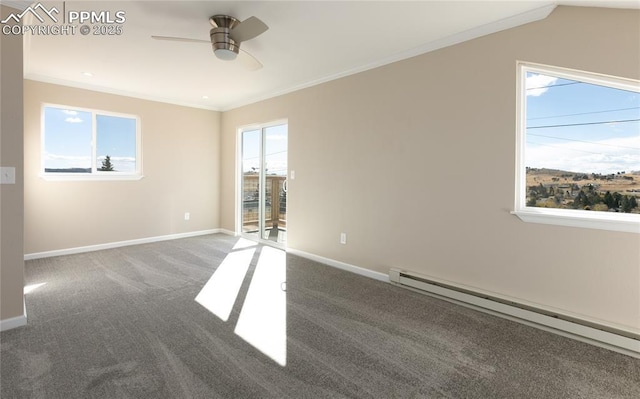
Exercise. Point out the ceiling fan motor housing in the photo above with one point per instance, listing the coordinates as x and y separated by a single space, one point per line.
224 47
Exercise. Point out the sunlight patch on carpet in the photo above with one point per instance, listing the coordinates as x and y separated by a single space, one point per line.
219 293
32 287
244 243
262 321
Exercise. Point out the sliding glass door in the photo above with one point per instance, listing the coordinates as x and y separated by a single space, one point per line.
263 193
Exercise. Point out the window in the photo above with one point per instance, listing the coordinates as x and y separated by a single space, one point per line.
87 144
578 149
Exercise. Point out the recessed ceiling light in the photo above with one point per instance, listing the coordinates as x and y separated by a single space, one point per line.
205 97
87 74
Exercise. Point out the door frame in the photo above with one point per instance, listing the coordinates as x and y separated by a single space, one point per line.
238 188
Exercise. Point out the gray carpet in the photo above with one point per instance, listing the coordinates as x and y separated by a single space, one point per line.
123 323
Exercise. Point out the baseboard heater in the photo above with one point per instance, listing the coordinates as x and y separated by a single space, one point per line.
617 339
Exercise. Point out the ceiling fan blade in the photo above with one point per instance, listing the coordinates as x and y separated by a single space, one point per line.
180 39
248 29
248 61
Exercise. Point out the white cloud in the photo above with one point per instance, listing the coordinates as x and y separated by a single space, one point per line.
124 159
57 161
604 156
49 156
536 85
73 120
69 112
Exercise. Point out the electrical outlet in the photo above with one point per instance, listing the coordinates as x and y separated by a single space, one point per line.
343 238
187 216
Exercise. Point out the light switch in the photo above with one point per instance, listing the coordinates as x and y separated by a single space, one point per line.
293 175
8 175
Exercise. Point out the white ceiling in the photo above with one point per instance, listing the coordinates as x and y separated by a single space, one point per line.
308 42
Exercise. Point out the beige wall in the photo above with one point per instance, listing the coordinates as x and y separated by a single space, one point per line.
415 161
181 163
11 196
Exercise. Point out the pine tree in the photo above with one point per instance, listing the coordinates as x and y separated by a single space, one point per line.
609 200
617 197
107 166
626 204
581 200
542 190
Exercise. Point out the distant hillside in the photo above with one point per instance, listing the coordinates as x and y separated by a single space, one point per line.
558 172
545 171
68 170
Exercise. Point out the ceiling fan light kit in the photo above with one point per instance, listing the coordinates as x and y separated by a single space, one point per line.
226 54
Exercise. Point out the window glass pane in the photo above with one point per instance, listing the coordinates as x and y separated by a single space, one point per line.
582 145
67 141
250 181
116 139
275 158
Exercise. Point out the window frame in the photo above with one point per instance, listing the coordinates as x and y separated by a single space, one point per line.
95 174
612 221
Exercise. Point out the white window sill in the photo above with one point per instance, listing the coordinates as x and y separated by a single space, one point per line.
88 177
625 222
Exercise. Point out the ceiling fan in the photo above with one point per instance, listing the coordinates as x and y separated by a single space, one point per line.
226 35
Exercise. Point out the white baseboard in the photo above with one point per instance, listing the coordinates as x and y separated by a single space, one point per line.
15 322
341 265
228 232
98 247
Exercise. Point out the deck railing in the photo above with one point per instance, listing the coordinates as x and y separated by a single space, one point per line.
275 202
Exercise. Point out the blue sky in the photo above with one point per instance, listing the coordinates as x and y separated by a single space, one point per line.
598 142
68 140
276 150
